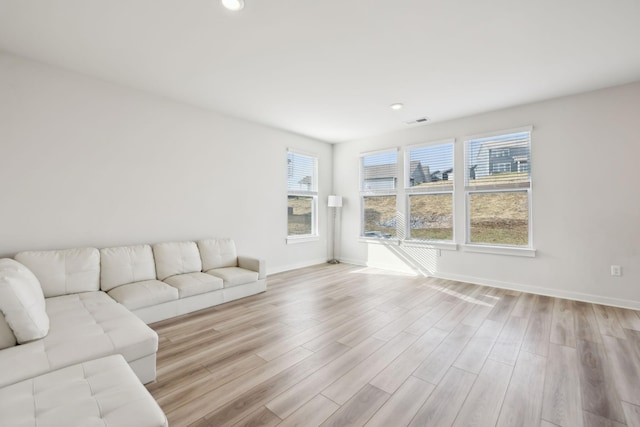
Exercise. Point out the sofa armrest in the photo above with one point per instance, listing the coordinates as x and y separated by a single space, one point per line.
253 264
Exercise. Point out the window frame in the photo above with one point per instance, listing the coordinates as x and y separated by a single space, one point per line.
311 193
502 249
442 189
377 193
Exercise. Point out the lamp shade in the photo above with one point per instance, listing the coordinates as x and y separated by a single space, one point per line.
335 201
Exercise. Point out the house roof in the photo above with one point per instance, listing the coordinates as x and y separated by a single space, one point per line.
305 181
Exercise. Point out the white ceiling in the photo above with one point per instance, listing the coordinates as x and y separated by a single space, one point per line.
330 69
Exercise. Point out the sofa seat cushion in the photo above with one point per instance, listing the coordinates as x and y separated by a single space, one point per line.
83 327
194 283
22 301
234 276
102 392
143 294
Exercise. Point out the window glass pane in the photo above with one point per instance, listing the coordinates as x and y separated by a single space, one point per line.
431 216
301 172
380 171
499 218
302 194
300 212
503 159
429 166
379 216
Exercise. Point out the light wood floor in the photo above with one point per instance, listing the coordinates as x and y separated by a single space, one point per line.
343 345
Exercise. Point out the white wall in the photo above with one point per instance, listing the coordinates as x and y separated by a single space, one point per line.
586 200
85 162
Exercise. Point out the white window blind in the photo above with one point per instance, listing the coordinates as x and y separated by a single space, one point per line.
498 189
302 172
302 195
502 161
379 171
430 167
429 195
378 185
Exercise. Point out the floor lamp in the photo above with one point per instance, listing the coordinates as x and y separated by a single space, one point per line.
334 202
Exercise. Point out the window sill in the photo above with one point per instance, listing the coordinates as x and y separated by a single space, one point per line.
500 250
379 241
427 244
302 239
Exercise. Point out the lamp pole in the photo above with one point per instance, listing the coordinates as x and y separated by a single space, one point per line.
334 202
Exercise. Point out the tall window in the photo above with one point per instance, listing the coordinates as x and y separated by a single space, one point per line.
429 183
302 194
498 189
378 187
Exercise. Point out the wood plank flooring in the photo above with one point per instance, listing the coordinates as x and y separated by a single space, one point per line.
340 345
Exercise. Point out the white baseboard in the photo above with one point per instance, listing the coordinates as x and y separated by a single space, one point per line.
353 262
283 268
558 293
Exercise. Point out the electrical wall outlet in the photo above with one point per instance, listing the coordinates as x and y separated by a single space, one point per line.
616 270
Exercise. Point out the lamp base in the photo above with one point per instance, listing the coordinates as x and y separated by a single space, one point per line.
333 261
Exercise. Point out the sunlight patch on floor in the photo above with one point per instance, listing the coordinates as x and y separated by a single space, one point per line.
380 272
464 297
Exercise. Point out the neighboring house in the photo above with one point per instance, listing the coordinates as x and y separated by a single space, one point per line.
493 159
418 174
444 175
306 181
377 177
380 177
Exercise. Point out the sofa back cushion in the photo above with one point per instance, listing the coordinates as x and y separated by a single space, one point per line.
217 253
22 302
7 337
176 258
126 264
64 272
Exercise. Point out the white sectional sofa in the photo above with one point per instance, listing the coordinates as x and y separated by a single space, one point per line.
101 392
60 309
169 279
84 323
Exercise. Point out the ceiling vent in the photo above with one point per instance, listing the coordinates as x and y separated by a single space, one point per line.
421 120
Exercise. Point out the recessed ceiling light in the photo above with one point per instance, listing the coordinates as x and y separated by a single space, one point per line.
396 106
233 4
